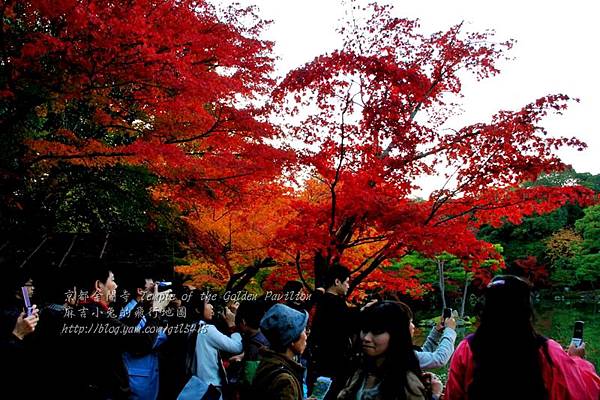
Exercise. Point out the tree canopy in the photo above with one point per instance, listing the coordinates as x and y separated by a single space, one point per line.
370 117
165 115
167 86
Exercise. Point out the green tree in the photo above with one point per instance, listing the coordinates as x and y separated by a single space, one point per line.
587 260
560 250
449 274
567 177
78 199
529 238
543 236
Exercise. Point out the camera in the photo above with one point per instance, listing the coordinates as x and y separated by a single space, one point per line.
218 308
164 285
447 313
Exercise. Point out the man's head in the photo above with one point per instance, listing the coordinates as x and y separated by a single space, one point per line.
249 314
99 280
11 283
337 280
292 287
140 288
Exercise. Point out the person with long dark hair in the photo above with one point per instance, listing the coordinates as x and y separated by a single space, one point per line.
507 359
390 369
210 343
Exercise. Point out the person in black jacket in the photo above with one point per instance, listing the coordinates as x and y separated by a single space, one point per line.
16 329
333 329
53 360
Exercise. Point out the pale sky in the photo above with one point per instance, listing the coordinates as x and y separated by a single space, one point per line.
556 52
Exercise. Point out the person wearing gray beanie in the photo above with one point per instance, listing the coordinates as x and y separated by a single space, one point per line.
279 376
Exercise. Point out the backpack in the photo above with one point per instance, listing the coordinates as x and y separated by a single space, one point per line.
248 372
249 367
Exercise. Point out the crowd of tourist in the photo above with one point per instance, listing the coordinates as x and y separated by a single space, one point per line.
93 336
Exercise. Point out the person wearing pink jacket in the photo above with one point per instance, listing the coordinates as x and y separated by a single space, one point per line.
507 359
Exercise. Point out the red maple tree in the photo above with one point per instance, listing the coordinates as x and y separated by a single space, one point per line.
237 239
367 122
175 87
534 271
170 85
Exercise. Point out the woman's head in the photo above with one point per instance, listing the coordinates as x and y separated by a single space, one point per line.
385 329
387 345
375 344
201 306
508 304
506 344
209 311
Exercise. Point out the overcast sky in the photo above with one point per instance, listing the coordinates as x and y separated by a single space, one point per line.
556 52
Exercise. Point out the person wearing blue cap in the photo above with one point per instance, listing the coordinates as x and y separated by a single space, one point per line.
279 376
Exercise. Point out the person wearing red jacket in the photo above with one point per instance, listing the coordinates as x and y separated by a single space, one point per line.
507 359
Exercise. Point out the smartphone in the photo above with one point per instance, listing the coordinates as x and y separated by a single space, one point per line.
447 313
321 388
577 339
27 301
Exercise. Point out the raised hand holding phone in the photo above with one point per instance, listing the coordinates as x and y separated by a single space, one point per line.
577 339
447 320
27 301
27 321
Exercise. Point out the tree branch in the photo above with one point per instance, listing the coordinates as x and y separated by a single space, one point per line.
247 274
435 82
297 260
76 156
338 169
374 264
